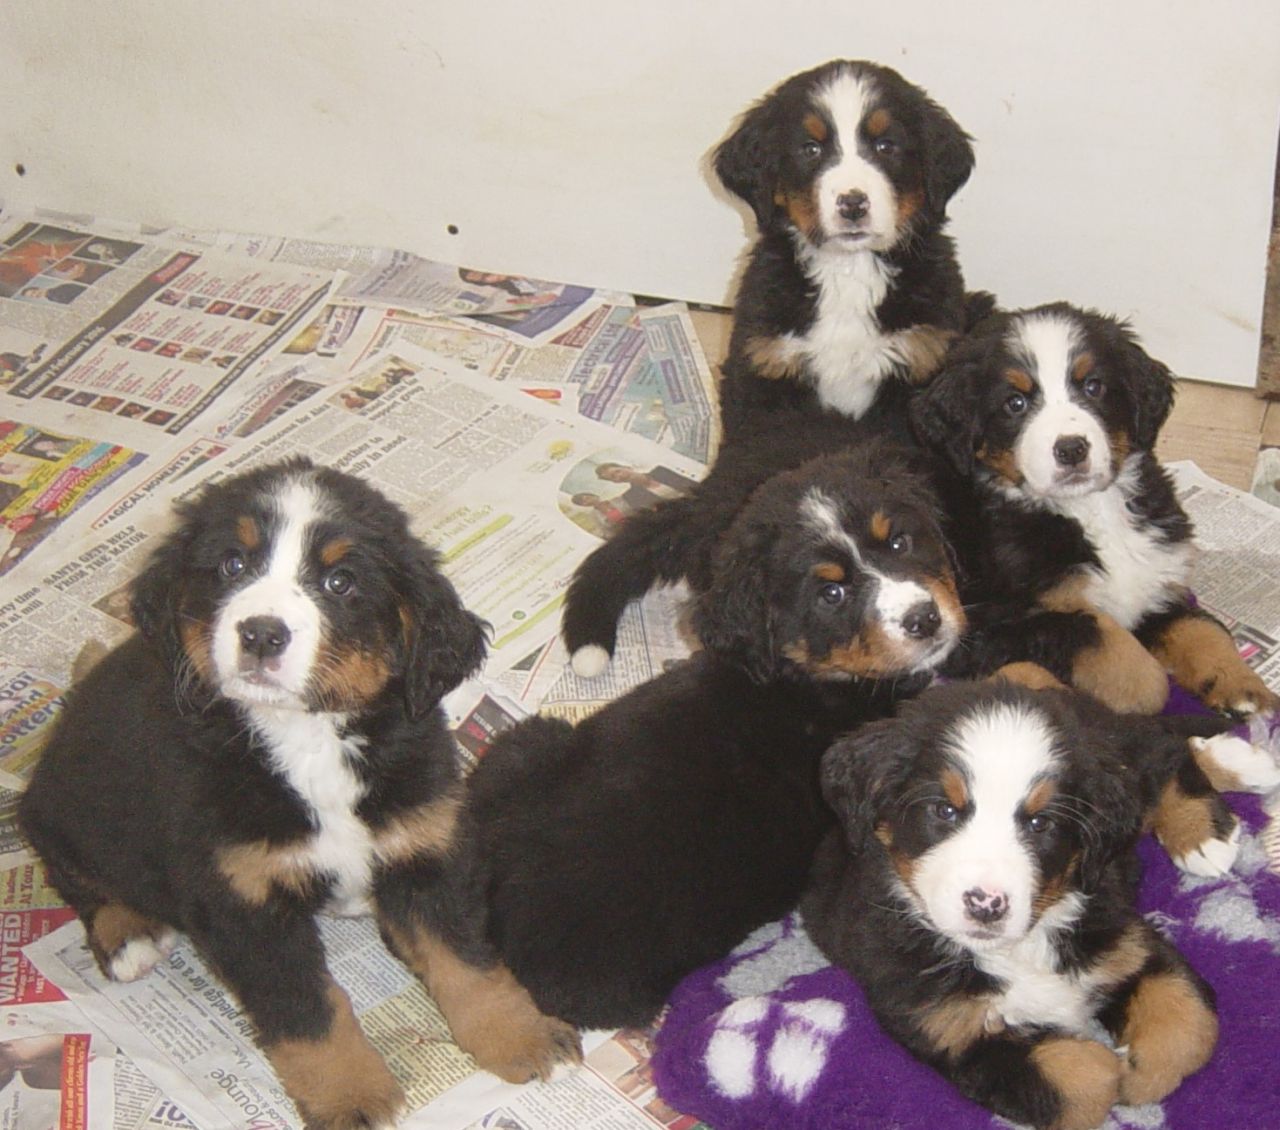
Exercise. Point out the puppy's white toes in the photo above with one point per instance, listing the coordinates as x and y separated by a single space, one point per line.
139 956
589 661
1254 767
1213 858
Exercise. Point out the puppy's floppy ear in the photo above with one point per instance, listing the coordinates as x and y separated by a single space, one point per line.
734 617
1113 811
155 597
947 155
859 774
443 642
1151 386
945 413
746 162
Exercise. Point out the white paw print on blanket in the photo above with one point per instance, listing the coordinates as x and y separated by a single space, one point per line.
799 1035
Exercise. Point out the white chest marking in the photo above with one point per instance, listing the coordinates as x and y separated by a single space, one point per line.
309 751
1138 574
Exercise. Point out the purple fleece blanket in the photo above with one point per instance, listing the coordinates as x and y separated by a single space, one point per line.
774 1037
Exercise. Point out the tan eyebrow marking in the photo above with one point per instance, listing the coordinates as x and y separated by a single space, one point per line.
1082 367
953 784
878 121
1019 379
815 127
335 550
1041 795
829 571
247 532
880 526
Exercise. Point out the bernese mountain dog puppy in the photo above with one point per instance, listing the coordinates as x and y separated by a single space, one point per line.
1077 549
269 745
627 851
848 168
981 889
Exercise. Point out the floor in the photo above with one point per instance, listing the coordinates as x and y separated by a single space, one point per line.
1219 428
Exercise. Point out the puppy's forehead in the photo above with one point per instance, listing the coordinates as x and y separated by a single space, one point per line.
845 100
1005 751
1046 346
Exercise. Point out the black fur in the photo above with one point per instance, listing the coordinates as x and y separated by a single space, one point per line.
1110 771
651 838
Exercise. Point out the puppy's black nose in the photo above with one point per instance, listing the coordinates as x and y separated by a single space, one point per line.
985 906
922 620
1071 451
853 205
264 636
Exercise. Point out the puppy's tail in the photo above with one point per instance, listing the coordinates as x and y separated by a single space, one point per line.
649 547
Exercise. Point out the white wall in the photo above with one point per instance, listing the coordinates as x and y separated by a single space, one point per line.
1126 149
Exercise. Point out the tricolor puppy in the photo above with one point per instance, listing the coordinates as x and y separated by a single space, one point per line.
981 889
627 851
848 169
268 746
1078 550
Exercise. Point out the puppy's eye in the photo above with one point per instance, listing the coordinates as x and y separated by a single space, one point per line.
1039 823
340 582
811 149
1016 405
946 812
832 593
884 146
1093 387
900 543
232 565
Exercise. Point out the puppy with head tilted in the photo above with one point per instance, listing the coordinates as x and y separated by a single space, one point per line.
269 745
981 889
1078 551
848 169
627 851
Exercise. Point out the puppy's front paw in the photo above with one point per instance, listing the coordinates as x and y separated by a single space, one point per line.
1236 690
1212 858
1233 764
1086 1076
528 1045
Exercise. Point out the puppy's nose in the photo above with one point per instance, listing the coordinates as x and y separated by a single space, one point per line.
853 205
1071 451
263 636
985 906
921 621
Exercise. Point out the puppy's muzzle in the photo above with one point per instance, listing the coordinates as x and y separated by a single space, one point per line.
262 640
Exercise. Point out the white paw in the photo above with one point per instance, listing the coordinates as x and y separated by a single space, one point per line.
1253 766
589 661
1213 858
139 956
791 1040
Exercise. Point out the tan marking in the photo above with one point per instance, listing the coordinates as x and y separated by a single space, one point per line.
1221 778
945 596
1002 462
884 834
349 677
1050 894
1121 448
115 925
197 645
1041 795
490 1015
955 1023
335 550
338 1079
1170 1033
1020 379
878 121
905 866
1082 366
909 203
815 127
830 571
802 210
1086 1076
1030 675
425 830
871 654
1123 960
880 526
773 359
255 869
921 348
1185 823
247 532
1202 657
1118 670
955 787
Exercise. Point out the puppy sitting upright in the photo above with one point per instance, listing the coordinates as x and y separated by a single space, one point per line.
848 169
651 838
268 746
982 888
1071 533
